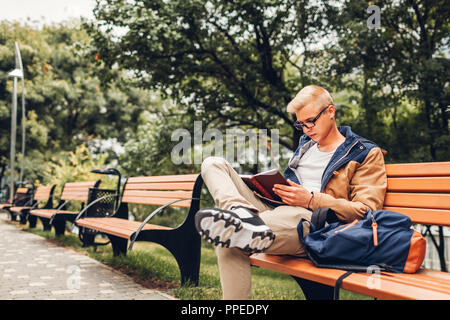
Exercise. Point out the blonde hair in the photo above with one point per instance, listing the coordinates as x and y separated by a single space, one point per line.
308 94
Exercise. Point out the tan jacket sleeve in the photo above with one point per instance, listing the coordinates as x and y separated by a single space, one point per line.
367 188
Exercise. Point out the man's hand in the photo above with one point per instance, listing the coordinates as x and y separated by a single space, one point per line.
293 195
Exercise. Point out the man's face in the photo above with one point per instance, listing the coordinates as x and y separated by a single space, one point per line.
322 125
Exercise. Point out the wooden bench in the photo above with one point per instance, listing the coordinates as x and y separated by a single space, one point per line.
183 242
22 196
418 190
42 194
57 217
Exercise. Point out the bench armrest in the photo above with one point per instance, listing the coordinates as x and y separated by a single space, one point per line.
59 208
34 206
90 205
29 202
151 215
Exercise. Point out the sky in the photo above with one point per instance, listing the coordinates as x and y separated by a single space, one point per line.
45 11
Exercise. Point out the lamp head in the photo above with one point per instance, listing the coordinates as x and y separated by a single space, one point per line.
112 171
16 73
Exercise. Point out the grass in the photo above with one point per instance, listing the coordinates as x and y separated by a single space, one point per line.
154 267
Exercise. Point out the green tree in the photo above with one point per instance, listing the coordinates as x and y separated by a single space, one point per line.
398 72
228 63
66 102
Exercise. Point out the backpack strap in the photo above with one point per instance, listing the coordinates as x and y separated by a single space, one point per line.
337 285
322 215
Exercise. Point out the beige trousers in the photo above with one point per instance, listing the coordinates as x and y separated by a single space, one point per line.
228 190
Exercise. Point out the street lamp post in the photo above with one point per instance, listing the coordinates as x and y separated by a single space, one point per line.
20 66
15 74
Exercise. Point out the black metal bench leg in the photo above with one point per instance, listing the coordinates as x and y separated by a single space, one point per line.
23 218
13 216
46 224
184 246
189 264
119 245
314 290
60 227
86 238
32 220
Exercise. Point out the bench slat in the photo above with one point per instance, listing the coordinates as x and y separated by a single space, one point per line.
48 213
187 186
115 231
417 200
423 169
118 227
157 194
163 179
392 289
18 209
76 190
420 184
424 215
156 201
76 197
423 279
79 184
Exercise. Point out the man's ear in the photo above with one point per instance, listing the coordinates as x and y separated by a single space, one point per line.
331 111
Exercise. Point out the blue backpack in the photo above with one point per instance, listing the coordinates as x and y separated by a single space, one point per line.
384 239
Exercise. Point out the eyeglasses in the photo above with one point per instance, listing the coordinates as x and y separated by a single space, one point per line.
311 123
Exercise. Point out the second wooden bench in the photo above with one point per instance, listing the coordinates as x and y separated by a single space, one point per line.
57 217
183 242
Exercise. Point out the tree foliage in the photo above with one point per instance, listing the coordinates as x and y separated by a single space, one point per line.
227 63
402 64
238 63
67 105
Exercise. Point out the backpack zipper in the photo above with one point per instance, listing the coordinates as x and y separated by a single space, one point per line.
374 230
347 226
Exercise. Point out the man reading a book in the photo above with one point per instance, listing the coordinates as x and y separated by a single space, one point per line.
331 168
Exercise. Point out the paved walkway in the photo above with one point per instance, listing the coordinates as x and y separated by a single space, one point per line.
33 268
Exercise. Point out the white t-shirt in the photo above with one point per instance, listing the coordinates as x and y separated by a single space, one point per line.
311 167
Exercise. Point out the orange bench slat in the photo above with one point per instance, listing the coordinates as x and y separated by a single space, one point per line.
426 216
48 213
164 179
156 201
417 200
187 186
419 184
157 194
119 227
18 209
424 169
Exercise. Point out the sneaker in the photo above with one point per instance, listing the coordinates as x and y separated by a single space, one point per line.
238 227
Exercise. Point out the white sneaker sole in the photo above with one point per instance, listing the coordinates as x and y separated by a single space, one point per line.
223 229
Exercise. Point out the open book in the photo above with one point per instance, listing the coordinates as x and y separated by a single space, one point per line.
262 183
